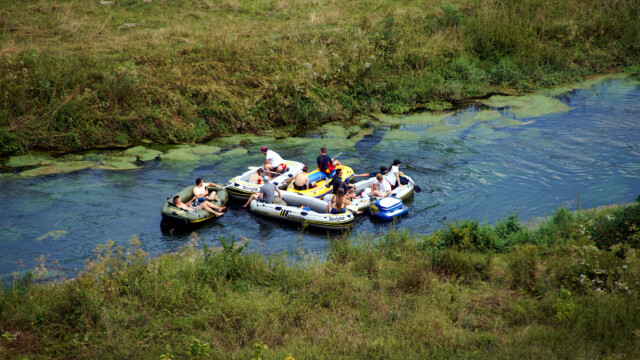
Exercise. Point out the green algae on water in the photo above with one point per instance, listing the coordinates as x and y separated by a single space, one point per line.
241 139
422 118
401 135
53 235
143 153
528 105
58 168
187 153
28 160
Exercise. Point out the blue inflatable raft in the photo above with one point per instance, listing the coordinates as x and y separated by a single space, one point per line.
388 208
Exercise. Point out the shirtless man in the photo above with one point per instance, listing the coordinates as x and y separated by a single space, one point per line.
193 205
200 190
301 181
274 163
380 188
256 178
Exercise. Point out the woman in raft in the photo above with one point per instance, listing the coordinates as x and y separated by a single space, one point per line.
337 205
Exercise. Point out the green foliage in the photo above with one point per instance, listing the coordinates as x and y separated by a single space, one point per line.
467 235
230 264
451 15
63 89
397 295
523 267
621 226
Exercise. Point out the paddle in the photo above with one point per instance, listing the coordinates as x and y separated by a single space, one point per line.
340 153
417 188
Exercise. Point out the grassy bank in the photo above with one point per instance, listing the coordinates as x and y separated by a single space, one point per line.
75 75
568 288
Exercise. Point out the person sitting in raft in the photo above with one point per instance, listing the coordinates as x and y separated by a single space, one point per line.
383 171
256 178
301 181
194 205
267 194
380 188
337 204
348 198
274 163
201 192
393 177
325 163
337 183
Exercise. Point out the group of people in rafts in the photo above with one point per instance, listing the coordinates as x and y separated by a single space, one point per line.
344 192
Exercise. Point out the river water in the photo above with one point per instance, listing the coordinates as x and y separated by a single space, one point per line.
526 156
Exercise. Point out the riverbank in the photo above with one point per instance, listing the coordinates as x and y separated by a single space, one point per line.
100 74
568 288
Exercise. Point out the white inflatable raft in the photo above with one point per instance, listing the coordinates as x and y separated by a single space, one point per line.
240 188
303 209
363 190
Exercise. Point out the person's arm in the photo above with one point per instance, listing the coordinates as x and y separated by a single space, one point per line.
398 179
279 193
361 175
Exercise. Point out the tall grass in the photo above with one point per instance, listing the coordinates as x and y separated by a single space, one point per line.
547 292
73 76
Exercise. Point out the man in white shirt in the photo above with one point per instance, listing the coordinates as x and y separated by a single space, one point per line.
274 164
380 188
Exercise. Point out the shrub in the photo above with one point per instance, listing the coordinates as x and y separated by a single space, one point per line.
467 235
622 225
523 267
467 265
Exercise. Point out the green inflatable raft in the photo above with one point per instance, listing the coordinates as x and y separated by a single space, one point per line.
170 212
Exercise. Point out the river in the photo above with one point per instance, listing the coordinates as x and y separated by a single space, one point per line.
522 155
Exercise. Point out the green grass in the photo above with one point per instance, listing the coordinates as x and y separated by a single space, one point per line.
544 292
72 77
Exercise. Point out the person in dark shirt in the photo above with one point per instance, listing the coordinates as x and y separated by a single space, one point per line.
325 163
337 183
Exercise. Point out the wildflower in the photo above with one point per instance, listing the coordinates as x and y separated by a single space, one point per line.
372 57
367 65
313 42
307 65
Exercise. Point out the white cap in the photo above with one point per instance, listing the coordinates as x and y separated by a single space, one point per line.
266 178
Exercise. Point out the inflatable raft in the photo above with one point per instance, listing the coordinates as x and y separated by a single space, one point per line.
322 181
363 189
388 208
170 212
240 188
303 209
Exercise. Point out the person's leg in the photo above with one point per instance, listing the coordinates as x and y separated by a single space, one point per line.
254 196
280 169
208 209
213 196
337 163
214 206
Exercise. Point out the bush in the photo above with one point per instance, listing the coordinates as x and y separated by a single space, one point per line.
466 265
467 235
621 226
523 267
